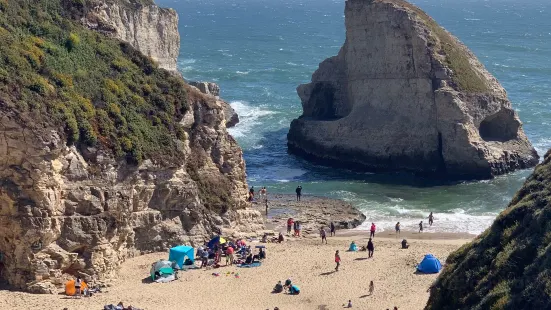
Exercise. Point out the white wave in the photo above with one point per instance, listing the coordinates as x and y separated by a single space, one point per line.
249 118
188 61
472 19
451 222
283 181
242 72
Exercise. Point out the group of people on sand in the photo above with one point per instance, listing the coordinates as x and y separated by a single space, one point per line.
234 252
263 194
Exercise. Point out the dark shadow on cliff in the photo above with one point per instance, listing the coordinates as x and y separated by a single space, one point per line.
274 155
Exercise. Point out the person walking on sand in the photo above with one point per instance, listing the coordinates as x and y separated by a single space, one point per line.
431 219
323 235
332 227
337 260
421 227
372 231
370 248
397 228
298 229
299 192
371 287
229 255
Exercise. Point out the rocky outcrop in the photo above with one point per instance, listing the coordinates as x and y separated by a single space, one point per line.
403 94
148 28
212 89
509 265
69 211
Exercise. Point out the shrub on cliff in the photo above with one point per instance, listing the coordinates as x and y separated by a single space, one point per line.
509 265
94 89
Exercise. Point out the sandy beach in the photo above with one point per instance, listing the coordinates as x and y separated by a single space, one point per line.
305 260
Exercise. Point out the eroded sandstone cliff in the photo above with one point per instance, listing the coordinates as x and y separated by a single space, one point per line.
403 94
147 27
212 89
103 155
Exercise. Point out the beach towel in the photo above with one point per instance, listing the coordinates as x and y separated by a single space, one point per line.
255 264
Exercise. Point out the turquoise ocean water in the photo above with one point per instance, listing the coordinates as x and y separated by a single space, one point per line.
258 51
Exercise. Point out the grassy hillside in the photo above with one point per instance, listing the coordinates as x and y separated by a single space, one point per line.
95 90
509 265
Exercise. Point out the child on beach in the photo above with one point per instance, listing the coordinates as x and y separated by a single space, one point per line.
397 228
421 227
371 287
290 223
337 260
372 231
323 235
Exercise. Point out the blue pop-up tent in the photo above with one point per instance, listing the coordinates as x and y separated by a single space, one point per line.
429 264
179 253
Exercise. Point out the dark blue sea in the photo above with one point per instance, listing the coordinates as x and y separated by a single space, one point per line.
258 51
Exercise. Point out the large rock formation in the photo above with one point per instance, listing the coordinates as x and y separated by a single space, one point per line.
80 200
509 265
150 29
212 89
404 94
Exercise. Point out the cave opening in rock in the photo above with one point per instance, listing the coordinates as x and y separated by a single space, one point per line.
501 126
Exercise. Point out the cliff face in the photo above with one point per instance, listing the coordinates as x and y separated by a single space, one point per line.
148 28
404 94
212 89
509 265
102 166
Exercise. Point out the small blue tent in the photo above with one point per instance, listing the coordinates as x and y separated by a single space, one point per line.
429 264
179 253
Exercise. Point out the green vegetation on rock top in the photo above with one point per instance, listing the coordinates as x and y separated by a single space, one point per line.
96 90
456 56
509 265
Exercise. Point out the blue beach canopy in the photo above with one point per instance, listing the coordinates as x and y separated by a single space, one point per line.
429 264
179 253
215 240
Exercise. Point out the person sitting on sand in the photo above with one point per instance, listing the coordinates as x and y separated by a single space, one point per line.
280 238
249 260
405 244
294 290
261 253
278 287
353 247
370 248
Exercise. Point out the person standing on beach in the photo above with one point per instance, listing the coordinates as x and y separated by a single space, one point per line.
431 219
372 231
299 192
298 229
371 287
397 228
266 202
337 260
332 227
370 248
78 284
290 223
323 235
421 227
229 255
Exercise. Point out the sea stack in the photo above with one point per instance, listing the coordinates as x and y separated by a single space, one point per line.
403 94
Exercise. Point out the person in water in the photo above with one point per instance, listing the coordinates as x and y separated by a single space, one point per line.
397 228
299 192
421 227
337 260
370 248
332 227
431 219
